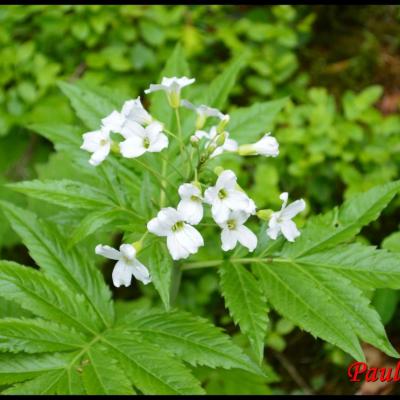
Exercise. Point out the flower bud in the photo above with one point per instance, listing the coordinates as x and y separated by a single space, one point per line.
174 99
200 121
211 148
220 139
264 215
224 121
194 141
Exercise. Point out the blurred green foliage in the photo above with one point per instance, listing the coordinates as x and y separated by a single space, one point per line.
334 142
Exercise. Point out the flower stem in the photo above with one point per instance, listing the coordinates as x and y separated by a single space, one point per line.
176 276
178 123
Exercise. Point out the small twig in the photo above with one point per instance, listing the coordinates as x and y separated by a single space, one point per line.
292 371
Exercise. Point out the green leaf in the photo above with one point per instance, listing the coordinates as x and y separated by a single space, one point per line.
342 224
93 222
194 339
103 374
62 381
37 335
21 367
385 301
66 193
298 297
218 91
150 369
365 265
160 265
47 247
59 133
45 297
246 303
88 105
247 123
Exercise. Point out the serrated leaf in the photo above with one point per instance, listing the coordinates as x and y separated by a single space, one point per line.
62 381
103 374
20 367
246 304
160 265
150 369
47 247
64 192
365 265
299 298
247 123
37 335
342 224
218 91
92 222
194 339
59 133
88 105
44 297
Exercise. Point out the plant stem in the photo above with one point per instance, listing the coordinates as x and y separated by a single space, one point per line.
162 191
176 276
178 122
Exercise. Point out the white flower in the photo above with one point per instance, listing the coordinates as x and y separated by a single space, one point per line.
228 145
281 221
225 196
182 238
139 140
190 206
172 86
203 112
234 231
133 110
266 146
113 121
126 266
98 143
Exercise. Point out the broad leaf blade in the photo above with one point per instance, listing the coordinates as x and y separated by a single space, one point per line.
246 303
342 224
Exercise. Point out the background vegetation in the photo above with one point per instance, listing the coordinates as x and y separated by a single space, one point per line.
339 132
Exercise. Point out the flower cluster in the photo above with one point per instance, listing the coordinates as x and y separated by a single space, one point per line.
230 207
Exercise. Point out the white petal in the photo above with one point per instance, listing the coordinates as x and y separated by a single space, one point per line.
239 216
140 272
108 252
274 227
284 197
187 190
293 209
192 211
246 237
162 224
128 251
132 129
267 146
289 230
122 274
190 238
237 200
132 147
219 211
100 155
230 145
211 194
155 88
91 140
219 150
160 143
113 121
133 110
228 239
202 134
175 248
227 180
